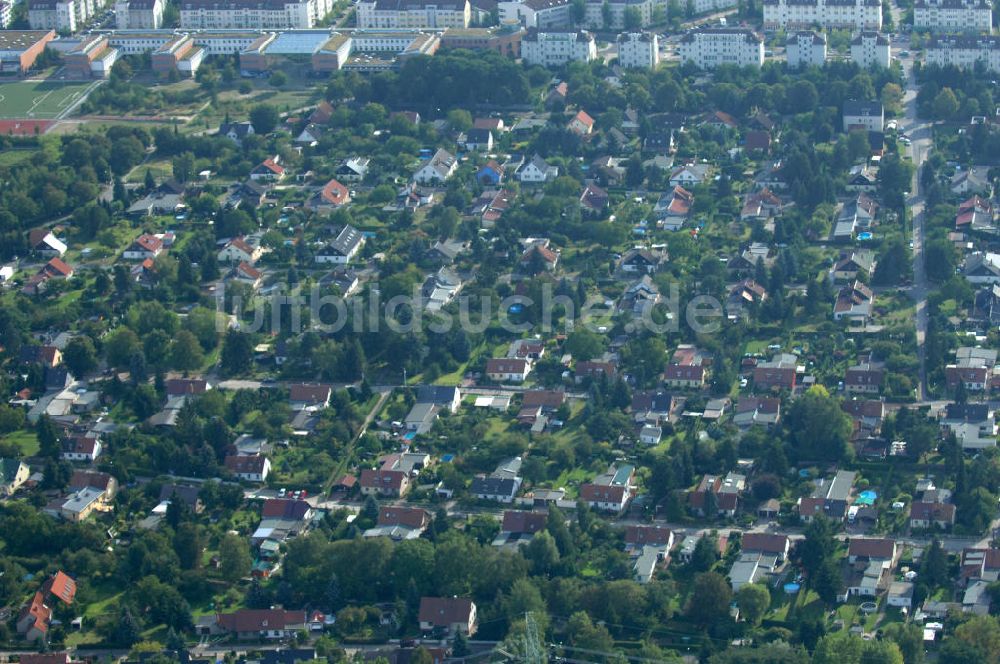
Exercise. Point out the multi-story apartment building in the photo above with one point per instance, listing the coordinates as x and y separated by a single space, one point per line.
849 14
414 14
139 14
60 15
556 48
594 15
6 13
638 49
252 14
953 15
964 51
871 49
710 47
539 14
805 49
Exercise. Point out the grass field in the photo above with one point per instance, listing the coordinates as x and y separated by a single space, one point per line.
40 100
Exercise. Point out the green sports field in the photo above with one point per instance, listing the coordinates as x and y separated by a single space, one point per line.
39 100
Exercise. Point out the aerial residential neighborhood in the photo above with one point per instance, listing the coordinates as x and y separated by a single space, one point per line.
520 331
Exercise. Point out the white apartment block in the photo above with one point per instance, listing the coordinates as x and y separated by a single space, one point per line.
252 14
539 14
6 13
639 50
804 14
594 15
953 15
414 14
805 49
556 48
871 49
706 6
710 47
60 15
964 52
139 14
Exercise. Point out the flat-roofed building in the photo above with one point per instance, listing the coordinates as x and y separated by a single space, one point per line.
252 14
708 48
414 14
638 50
20 48
806 49
973 16
139 14
803 14
557 47
505 41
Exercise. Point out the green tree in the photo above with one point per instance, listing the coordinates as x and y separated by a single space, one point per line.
48 437
234 558
459 120
80 356
237 352
753 599
584 344
185 352
710 599
120 345
945 104
264 118
818 429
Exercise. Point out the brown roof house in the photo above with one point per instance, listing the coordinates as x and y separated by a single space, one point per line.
261 624
448 615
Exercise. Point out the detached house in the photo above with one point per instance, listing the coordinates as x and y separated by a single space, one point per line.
449 615
854 302
82 448
353 169
343 248
332 196
508 370
537 170
13 474
688 368
143 247
594 199
238 250
268 170
252 468
611 491
857 263
440 167
35 618
42 242
262 624
864 378
399 523
236 131
581 124
726 492
674 208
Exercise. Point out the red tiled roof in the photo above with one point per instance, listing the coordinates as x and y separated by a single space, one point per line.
257 620
765 543
516 521
602 493
871 547
285 508
382 479
61 586
59 266
653 535
544 398
335 193
272 166
309 392
411 517
245 464
445 611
